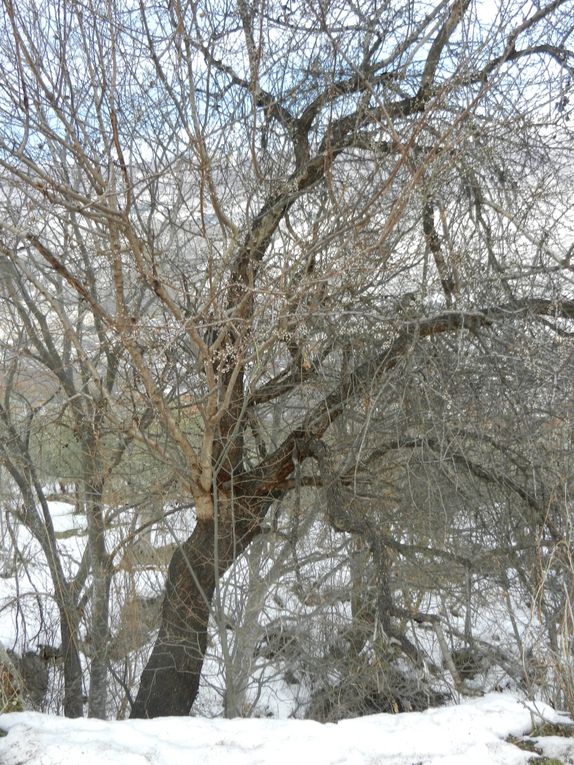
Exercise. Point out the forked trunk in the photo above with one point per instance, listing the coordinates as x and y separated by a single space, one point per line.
170 680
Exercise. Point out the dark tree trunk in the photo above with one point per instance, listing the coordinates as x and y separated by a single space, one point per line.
170 680
73 705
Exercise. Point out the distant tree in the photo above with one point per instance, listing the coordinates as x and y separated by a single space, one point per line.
291 224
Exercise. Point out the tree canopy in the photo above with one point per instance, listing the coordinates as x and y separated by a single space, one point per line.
273 247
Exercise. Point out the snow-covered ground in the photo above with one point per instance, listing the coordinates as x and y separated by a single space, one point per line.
472 733
28 618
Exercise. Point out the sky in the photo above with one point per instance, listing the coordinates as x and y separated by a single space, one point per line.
470 733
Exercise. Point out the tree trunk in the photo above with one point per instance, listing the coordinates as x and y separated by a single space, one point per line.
170 680
73 705
239 664
99 626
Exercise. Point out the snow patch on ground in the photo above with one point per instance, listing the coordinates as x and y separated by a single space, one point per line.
472 733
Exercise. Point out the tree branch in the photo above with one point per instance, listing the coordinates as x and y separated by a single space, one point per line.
300 443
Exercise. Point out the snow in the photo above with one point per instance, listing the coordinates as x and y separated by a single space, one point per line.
556 747
65 519
472 733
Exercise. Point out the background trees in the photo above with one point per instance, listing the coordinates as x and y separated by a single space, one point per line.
289 248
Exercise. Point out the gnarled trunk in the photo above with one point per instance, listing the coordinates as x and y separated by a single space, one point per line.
170 680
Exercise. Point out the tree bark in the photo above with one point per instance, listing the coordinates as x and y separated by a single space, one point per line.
73 705
99 631
170 681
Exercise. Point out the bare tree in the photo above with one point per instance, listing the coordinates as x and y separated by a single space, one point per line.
283 204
